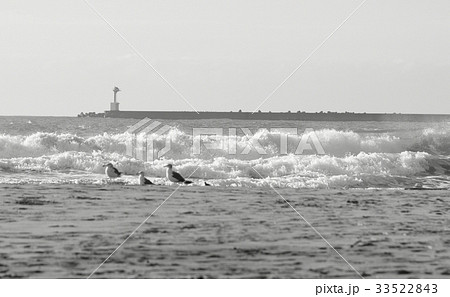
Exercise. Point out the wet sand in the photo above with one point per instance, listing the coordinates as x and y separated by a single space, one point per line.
66 231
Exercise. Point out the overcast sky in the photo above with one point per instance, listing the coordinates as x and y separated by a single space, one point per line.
59 58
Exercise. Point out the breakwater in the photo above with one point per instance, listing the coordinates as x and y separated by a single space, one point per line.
294 116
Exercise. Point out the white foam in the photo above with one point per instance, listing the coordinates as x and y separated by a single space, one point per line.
352 159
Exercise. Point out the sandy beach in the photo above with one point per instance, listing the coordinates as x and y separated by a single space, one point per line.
67 231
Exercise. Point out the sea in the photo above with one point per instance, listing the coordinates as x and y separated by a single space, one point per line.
268 199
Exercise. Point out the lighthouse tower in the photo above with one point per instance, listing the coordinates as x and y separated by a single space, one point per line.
115 104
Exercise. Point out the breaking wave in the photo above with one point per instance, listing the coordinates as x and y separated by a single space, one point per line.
350 159
334 142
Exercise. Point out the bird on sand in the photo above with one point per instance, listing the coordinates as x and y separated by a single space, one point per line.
111 171
175 176
142 180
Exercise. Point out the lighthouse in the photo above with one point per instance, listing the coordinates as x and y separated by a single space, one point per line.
115 104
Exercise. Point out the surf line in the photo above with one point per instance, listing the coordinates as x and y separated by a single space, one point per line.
313 228
138 227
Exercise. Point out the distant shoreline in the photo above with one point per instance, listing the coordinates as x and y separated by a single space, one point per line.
286 116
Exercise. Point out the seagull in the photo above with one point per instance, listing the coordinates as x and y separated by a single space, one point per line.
111 171
175 176
142 180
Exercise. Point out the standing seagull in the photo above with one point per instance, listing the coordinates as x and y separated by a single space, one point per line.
111 171
175 176
142 180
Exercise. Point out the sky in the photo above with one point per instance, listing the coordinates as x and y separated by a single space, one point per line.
60 58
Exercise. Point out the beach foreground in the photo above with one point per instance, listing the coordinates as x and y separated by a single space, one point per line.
67 231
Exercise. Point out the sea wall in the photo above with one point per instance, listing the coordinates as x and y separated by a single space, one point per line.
297 116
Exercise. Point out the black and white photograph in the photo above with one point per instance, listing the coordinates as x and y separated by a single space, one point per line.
300 140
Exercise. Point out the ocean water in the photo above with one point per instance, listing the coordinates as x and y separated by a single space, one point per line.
60 216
